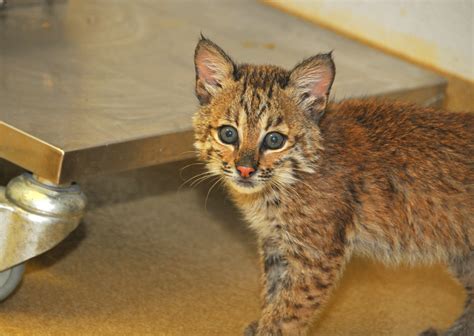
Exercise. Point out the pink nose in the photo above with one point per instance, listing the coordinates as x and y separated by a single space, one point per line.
245 171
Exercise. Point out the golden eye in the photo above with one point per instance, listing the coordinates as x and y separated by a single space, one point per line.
274 140
228 135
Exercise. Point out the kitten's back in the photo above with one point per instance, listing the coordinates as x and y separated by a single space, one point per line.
409 172
403 136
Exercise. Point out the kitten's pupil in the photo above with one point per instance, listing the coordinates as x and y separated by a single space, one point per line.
274 140
228 135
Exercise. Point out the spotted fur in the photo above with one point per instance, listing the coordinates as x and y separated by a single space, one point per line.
390 180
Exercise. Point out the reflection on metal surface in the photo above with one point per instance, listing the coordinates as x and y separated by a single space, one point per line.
34 217
129 155
30 153
54 165
98 86
10 279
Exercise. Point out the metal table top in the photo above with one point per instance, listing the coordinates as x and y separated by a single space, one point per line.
97 86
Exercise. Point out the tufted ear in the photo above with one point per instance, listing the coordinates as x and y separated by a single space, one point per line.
213 67
311 81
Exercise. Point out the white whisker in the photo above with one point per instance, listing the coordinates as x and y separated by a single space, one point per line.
220 179
196 177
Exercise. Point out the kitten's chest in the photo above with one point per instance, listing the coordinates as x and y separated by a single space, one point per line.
264 215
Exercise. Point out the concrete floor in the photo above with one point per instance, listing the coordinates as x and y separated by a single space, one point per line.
150 259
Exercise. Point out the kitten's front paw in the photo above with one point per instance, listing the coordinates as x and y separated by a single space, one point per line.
256 329
429 332
251 329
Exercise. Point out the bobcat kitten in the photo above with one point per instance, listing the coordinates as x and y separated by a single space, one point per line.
319 181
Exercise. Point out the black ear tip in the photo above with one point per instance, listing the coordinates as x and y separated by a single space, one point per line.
327 56
203 40
206 42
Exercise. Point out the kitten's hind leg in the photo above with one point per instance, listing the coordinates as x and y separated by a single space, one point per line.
463 269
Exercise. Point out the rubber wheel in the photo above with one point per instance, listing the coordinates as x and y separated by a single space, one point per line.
10 279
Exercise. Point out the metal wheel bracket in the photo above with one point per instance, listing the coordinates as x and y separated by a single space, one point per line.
35 216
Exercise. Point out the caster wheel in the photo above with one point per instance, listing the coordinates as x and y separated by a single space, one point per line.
10 279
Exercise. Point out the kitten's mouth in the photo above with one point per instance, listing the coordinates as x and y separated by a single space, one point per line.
245 183
245 186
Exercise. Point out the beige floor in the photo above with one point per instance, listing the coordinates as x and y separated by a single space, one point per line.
150 259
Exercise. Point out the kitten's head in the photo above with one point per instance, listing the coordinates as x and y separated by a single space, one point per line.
257 124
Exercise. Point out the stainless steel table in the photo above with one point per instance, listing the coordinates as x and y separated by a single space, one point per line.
91 87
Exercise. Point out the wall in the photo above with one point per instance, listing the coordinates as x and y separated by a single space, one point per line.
436 33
